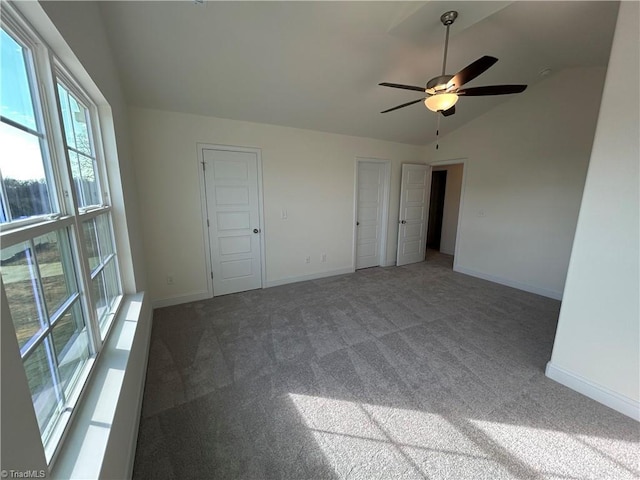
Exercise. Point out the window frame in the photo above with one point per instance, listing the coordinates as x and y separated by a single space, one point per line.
61 76
45 70
22 34
83 214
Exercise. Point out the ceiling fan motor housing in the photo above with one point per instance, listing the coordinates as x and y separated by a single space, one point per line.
438 84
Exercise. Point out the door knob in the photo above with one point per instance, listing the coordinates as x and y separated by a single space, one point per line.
357 223
403 221
256 230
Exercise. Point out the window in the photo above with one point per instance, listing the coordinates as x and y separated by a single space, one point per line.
77 125
44 300
23 157
58 261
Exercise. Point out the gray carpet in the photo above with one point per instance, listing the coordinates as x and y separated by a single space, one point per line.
388 373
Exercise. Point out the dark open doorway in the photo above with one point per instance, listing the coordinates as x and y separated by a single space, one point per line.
436 208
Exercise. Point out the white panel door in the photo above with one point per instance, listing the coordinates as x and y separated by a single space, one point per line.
414 211
371 177
231 182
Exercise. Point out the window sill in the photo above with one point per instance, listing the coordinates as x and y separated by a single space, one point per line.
106 421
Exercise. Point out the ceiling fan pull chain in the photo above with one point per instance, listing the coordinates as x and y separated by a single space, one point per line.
437 132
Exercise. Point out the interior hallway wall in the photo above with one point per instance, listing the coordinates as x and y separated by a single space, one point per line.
452 194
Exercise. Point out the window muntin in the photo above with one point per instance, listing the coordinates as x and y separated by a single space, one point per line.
71 343
42 386
104 274
113 294
99 295
24 186
19 276
56 269
99 240
105 237
60 324
91 243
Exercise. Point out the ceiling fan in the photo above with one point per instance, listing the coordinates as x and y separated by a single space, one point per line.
443 91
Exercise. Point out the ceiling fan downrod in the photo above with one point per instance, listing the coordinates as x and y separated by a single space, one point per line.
447 20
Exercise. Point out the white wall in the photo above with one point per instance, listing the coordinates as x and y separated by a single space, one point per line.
526 164
597 345
311 174
453 190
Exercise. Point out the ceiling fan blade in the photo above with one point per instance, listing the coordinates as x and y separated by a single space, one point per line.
403 105
449 112
471 71
492 90
404 87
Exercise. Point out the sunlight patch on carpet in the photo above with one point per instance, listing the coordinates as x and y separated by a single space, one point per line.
557 454
370 441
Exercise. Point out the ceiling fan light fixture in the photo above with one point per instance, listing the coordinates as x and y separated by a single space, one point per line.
441 101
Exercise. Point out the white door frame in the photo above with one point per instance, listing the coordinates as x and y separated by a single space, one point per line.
456 161
203 208
385 209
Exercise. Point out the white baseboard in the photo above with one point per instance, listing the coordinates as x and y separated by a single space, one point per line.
304 278
600 394
556 295
191 297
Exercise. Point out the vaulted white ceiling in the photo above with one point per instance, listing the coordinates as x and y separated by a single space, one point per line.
317 65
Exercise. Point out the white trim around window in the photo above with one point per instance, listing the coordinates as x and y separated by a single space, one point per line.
60 270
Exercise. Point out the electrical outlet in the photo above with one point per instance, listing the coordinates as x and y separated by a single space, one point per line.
169 279
307 260
324 257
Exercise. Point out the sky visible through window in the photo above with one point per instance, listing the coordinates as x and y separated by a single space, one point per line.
20 153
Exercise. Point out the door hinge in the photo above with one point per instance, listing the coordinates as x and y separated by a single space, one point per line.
204 166
211 275
207 222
